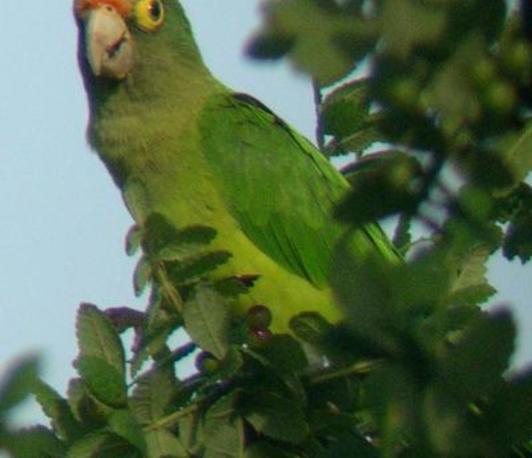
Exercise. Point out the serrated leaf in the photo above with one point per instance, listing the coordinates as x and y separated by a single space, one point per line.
207 320
223 438
190 432
345 114
402 237
163 444
275 416
194 268
98 338
34 442
58 411
123 424
83 406
18 382
151 345
103 380
475 364
163 241
153 395
470 285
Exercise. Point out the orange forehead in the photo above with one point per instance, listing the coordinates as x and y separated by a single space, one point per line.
123 7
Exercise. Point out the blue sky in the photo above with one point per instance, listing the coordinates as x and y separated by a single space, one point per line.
62 221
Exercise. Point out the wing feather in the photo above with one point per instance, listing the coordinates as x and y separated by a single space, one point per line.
277 185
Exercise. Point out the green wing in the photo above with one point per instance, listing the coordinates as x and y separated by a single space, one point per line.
278 186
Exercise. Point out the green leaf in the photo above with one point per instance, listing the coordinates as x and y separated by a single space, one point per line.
392 397
18 382
508 416
84 407
223 430
470 285
402 238
447 427
474 365
451 93
269 46
328 50
102 445
232 363
275 416
194 268
366 289
381 185
349 445
153 395
164 242
284 354
345 114
163 444
310 327
103 380
123 424
190 432
142 276
407 24
518 237
98 338
133 239
35 442
224 439
207 320
58 411
518 153
263 449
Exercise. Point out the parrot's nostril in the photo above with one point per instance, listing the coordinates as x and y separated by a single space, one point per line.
114 49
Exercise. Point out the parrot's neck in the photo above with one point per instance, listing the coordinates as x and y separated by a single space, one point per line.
159 100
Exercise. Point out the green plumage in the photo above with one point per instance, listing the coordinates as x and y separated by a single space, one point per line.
179 143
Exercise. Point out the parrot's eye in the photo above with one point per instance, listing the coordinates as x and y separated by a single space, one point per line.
149 14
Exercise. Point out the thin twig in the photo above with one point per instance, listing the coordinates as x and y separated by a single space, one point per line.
171 419
361 368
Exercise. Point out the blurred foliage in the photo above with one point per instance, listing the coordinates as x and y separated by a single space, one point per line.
434 99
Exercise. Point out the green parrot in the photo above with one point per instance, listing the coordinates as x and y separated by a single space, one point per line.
179 143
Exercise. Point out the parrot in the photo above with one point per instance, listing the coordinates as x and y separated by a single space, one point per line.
180 143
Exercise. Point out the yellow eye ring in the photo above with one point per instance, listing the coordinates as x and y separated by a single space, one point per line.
149 14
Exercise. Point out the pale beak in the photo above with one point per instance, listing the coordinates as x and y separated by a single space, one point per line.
109 46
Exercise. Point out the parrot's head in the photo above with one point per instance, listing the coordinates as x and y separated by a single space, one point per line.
119 39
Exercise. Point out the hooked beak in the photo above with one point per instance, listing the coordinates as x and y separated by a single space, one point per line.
108 43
